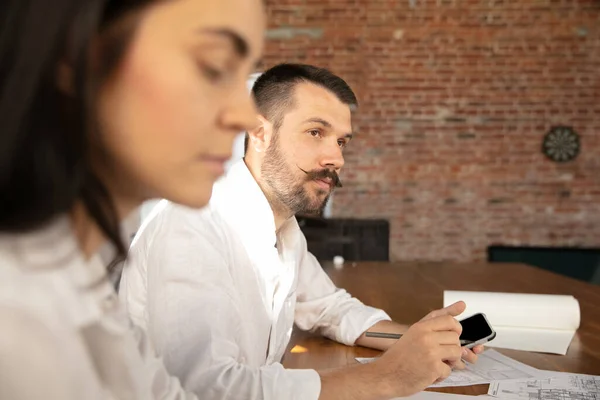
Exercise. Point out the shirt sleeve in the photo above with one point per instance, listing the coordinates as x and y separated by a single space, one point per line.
162 385
43 357
32 360
193 321
332 311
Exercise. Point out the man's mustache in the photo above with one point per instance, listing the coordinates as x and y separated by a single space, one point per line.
316 174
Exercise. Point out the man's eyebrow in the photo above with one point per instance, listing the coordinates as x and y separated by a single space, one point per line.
326 124
239 43
319 121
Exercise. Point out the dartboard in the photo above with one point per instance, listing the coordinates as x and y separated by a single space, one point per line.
561 144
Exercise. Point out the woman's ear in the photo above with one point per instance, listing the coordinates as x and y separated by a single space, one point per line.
65 79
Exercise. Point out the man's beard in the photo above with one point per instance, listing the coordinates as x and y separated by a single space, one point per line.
290 193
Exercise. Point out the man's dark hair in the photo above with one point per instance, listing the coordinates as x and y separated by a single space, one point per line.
273 91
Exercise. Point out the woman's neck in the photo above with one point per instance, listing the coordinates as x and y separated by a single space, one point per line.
87 232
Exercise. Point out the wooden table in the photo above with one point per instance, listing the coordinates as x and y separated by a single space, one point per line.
408 291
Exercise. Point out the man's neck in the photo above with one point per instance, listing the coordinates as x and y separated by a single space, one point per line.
279 217
280 212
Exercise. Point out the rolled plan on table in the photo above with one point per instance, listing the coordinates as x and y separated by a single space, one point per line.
530 322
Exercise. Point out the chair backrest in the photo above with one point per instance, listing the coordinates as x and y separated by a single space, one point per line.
353 239
579 263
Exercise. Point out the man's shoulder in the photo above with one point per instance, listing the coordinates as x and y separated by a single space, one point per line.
175 222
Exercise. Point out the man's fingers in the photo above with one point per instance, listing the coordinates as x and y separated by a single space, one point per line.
460 365
443 323
450 353
444 371
453 310
447 337
469 356
478 349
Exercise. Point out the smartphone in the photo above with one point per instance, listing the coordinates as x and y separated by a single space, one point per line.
476 330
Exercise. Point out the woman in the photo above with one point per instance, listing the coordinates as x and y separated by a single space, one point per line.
103 104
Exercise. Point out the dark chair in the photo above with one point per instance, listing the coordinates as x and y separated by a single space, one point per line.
578 263
353 239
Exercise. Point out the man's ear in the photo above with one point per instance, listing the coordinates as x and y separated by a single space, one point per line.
260 137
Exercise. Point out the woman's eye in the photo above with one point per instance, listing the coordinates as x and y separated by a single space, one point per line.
212 74
342 143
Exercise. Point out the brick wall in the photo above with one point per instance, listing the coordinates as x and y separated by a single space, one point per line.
456 97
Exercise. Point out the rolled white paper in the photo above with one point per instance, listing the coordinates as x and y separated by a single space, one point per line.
532 322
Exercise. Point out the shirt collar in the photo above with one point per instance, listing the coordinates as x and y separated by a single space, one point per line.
242 203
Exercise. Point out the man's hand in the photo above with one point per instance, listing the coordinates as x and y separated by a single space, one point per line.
421 357
455 310
425 354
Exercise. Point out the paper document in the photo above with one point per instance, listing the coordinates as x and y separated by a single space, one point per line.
443 396
491 366
530 322
561 387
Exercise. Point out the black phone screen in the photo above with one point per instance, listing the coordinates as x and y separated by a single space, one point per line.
474 329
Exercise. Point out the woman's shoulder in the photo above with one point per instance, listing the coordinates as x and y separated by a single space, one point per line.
34 360
42 312
39 344
44 281
29 294
33 318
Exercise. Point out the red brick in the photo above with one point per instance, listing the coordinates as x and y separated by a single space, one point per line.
452 114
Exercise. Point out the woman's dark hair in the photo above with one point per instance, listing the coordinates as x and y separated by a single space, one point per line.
46 133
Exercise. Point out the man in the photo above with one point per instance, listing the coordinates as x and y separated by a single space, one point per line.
219 289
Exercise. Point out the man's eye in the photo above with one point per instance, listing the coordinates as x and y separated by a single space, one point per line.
315 133
342 143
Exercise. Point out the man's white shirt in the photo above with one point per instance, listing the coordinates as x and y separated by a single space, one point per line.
218 292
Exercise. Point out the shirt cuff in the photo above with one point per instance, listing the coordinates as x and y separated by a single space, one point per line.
298 384
357 321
